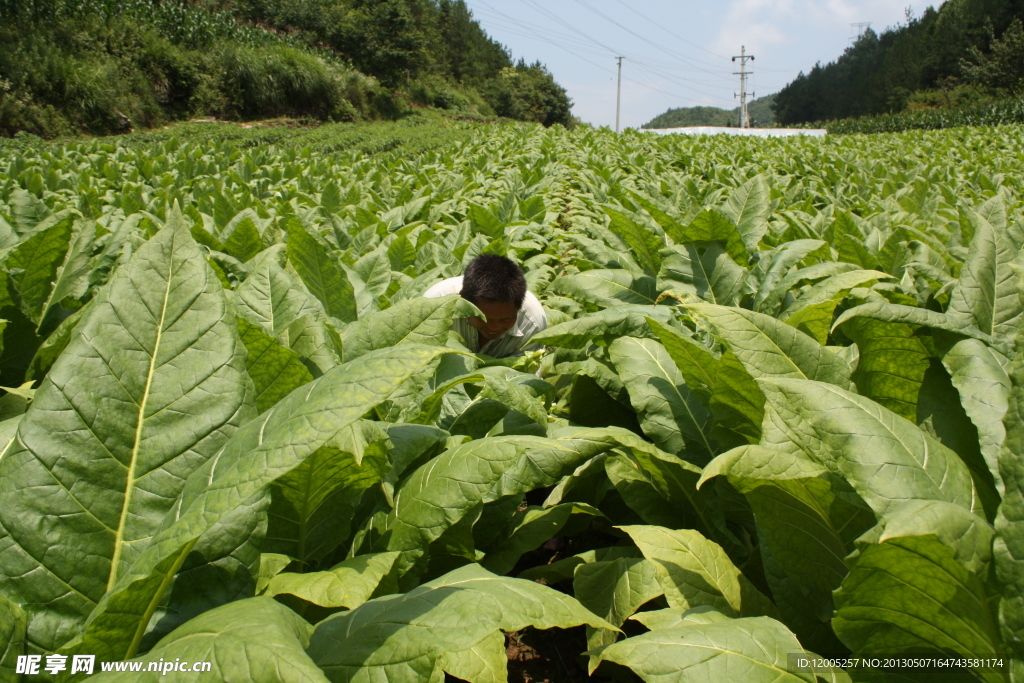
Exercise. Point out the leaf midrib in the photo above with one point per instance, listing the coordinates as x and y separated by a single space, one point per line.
140 422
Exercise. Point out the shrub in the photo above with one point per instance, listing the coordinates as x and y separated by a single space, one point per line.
529 93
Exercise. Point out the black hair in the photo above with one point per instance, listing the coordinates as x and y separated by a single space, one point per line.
494 278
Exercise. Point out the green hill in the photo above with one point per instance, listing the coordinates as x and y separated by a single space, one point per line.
962 54
760 115
107 66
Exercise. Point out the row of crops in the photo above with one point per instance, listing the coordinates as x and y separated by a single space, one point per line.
779 411
998 113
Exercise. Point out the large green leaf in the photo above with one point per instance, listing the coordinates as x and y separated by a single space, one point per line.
347 584
27 211
12 634
375 270
830 289
274 369
516 395
886 458
35 263
321 273
403 638
809 518
749 207
670 413
316 342
769 348
603 255
614 590
730 392
72 272
258 640
272 298
662 489
641 240
980 378
896 368
222 566
889 312
1008 548
486 469
418 321
807 521
150 388
754 650
313 504
694 571
909 595
892 365
483 662
814 320
263 450
704 269
608 288
771 270
244 242
605 325
986 296
527 530
712 226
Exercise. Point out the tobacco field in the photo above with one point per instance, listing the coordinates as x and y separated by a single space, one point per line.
779 411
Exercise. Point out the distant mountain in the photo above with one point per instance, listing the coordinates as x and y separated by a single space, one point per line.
760 115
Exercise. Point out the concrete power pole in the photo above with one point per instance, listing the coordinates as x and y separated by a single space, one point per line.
743 73
618 95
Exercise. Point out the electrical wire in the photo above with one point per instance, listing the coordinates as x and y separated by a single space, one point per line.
574 46
643 38
567 25
533 31
671 33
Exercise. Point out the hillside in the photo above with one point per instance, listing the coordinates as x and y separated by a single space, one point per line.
105 67
962 54
760 115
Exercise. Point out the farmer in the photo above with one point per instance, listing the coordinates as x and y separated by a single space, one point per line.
496 286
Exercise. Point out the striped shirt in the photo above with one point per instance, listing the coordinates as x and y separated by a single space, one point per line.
530 321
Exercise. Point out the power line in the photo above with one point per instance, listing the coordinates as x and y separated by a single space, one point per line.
643 38
674 35
567 25
559 40
534 30
589 45
685 82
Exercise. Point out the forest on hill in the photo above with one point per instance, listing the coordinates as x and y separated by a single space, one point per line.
107 66
760 115
964 53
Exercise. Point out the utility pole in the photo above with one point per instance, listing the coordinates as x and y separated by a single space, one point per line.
743 73
618 95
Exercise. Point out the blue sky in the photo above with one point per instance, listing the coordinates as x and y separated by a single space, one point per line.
677 53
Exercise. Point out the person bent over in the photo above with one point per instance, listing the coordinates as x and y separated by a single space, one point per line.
496 286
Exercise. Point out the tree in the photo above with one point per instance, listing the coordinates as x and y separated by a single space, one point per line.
1001 71
529 93
470 55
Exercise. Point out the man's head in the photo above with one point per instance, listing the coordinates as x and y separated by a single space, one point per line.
496 286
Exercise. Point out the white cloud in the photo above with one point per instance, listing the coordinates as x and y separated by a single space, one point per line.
762 25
